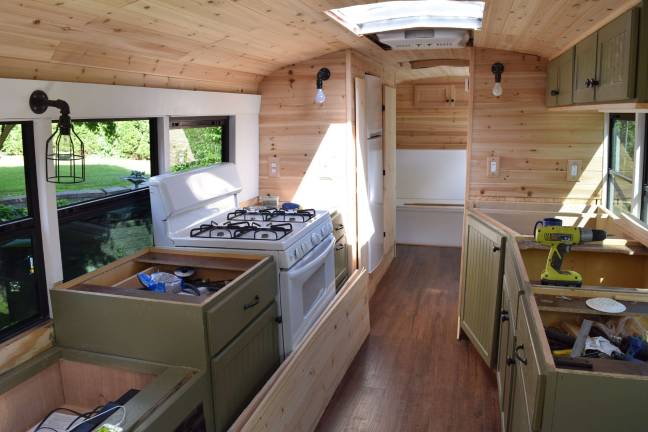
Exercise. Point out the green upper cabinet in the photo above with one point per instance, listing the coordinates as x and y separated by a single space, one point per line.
617 58
585 69
605 63
559 80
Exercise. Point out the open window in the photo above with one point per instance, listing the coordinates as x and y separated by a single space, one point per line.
198 142
108 216
23 292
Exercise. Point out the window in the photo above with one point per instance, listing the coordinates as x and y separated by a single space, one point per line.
23 292
198 142
108 216
621 162
399 15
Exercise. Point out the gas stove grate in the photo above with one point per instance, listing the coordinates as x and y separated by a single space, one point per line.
272 215
242 230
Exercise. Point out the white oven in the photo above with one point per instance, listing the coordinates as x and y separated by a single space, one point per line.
306 289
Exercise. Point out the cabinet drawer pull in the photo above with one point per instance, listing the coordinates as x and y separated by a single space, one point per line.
591 82
339 227
496 248
520 358
252 303
510 361
555 92
339 247
504 316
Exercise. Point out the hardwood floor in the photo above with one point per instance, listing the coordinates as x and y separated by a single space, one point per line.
412 374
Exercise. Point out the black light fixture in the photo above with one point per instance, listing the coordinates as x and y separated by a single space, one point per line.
322 75
64 150
497 70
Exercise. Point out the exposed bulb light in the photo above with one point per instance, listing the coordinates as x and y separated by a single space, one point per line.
497 69
320 97
322 75
497 89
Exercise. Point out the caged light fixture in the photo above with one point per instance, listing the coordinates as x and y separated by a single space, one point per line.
64 150
322 75
497 69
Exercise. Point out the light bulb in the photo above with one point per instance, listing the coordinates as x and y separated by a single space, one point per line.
497 89
320 97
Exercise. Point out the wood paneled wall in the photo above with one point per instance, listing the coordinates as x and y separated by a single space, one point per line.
532 144
431 126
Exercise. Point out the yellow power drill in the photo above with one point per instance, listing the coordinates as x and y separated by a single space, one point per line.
560 239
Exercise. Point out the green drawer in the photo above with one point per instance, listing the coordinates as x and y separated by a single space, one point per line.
240 306
528 367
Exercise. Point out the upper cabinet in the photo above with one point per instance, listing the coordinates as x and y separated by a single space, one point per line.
559 80
585 69
616 64
602 68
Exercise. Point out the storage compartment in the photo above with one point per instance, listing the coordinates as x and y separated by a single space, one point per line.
565 311
601 267
69 382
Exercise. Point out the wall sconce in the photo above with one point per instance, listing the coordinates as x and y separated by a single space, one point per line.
497 70
322 76
64 149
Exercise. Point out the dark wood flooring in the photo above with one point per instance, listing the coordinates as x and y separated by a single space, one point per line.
412 374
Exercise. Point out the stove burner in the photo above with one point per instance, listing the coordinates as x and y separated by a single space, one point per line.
242 230
272 215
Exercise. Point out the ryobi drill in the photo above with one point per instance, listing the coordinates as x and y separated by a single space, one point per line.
560 239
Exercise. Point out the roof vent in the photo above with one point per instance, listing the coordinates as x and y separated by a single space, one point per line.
425 38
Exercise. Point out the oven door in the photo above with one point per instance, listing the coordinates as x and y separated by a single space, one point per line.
306 289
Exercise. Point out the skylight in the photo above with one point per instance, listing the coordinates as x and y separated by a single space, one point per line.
400 15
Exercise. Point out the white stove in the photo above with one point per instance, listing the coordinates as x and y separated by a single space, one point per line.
199 209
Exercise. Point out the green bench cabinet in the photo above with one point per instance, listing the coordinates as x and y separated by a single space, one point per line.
560 80
232 334
482 284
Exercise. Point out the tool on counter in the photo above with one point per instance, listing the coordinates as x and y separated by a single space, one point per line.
560 239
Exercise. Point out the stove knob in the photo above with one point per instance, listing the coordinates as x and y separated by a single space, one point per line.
295 253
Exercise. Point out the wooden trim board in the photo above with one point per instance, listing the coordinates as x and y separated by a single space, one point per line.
25 346
296 396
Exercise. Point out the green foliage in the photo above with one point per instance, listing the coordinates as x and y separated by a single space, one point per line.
13 144
206 144
127 139
9 213
193 165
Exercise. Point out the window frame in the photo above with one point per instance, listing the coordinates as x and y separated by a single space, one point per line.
64 212
204 122
29 226
611 173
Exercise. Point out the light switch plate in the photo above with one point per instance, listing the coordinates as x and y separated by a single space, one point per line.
574 169
493 166
273 168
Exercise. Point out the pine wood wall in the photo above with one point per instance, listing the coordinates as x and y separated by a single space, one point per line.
532 144
431 125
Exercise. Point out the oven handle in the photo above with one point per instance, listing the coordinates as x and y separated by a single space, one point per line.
315 262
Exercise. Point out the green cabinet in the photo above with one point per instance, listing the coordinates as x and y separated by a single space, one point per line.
616 58
482 283
560 79
605 63
585 69
242 368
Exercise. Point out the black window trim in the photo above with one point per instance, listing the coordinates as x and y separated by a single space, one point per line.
29 226
208 121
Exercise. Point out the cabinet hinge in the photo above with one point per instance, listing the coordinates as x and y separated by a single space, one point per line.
383 108
278 320
384 172
384 234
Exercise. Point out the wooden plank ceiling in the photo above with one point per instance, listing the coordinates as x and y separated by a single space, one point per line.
230 45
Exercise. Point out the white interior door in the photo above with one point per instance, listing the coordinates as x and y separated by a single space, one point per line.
376 200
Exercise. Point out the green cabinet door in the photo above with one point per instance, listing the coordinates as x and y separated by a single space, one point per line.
642 61
617 57
565 78
505 347
243 367
560 76
481 288
551 88
585 69
519 417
